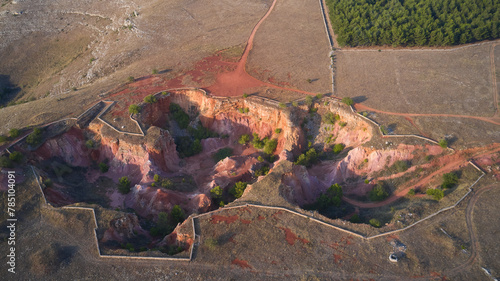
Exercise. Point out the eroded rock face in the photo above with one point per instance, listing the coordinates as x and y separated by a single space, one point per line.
123 228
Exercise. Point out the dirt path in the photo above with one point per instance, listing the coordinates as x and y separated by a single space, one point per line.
449 167
473 236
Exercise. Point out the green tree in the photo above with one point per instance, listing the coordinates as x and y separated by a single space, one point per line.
131 79
348 101
14 133
134 109
443 143
309 100
154 71
156 178
449 180
337 148
150 99
244 139
35 137
5 162
124 185
216 192
270 146
103 167
375 222
238 189
378 193
177 214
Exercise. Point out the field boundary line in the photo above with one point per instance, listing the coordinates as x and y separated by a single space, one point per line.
396 135
376 48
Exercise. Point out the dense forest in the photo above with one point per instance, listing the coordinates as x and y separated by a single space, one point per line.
414 22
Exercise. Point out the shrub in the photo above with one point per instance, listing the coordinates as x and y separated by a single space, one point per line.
319 96
178 114
329 118
131 79
309 100
332 197
124 185
378 193
238 189
14 133
270 146
177 214
134 109
162 227
246 109
257 142
264 170
411 192
245 95
5 162
367 181
307 159
348 101
167 183
295 104
437 194
337 148
222 154
211 243
103 167
443 143
244 139
154 71
400 166
3 139
164 93
35 137
355 218
343 124
89 144
240 110
16 156
449 180
156 178
383 129
260 159
375 222
282 105
47 182
150 99
216 192
277 130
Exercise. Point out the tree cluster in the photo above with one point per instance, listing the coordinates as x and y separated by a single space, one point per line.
413 22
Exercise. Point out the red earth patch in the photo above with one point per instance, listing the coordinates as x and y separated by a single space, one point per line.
216 219
290 237
241 263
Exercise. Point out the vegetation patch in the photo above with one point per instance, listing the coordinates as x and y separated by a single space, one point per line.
409 23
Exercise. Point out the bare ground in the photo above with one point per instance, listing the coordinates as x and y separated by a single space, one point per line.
291 47
453 81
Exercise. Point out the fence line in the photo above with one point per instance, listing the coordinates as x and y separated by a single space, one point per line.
395 136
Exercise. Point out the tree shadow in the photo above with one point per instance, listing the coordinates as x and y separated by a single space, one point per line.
8 91
359 99
165 71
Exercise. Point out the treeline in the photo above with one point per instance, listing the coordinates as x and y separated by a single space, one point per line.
414 22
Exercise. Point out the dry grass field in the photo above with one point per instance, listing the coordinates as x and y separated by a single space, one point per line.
291 47
450 81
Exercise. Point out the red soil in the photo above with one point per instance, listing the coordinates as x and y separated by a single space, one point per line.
337 258
217 218
446 164
290 237
245 221
241 263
